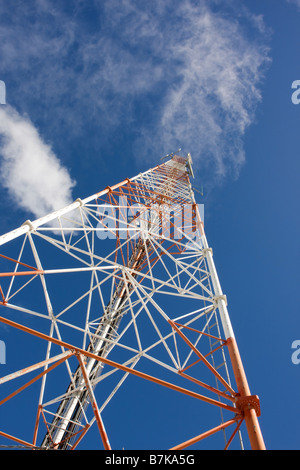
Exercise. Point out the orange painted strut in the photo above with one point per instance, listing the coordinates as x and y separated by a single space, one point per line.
205 434
100 424
46 371
248 403
119 366
22 273
210 367
17 262
20 441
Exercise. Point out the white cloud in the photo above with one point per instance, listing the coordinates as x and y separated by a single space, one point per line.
213 101
296 2
32 174
171 74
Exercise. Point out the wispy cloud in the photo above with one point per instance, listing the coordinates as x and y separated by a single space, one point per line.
296 2
211 103
32 174
160 75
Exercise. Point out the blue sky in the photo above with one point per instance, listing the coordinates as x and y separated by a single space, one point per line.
100 91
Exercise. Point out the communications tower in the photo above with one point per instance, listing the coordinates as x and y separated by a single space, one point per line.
116 291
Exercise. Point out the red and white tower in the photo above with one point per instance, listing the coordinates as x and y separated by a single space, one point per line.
118 286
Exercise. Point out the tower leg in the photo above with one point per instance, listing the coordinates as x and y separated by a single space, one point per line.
246 402
250 413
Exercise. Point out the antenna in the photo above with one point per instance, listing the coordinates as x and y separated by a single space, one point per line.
171 155
189 164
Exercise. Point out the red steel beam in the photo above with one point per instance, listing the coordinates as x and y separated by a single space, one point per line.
249 411
114 364
202 436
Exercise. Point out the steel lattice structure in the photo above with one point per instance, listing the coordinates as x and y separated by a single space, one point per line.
121 284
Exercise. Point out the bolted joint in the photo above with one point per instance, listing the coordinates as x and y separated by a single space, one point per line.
206 250
249 402
220 297
30 225
81 203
